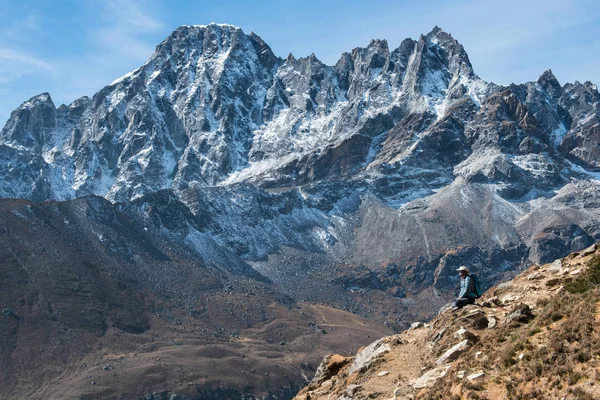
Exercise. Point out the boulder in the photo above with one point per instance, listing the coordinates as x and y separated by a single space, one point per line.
576 272
535 276
553 282
352 389
476 375
476 319
505 285
396 340
365 357
438 335
589 251
416 325
491 302
556 266
429 377
445 308
454 352
521 314
329 367
463 334
509 298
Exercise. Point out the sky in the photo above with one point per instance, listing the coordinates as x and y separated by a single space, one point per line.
72 48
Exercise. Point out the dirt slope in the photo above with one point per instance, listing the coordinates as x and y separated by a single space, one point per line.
534 337
131 314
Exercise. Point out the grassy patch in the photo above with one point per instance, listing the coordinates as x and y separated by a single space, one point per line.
589 280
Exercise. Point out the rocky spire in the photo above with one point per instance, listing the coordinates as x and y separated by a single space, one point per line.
549 83
31 124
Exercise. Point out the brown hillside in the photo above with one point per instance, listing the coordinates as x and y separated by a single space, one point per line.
534 337
93 306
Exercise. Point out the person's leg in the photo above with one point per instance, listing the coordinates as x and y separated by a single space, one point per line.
460 303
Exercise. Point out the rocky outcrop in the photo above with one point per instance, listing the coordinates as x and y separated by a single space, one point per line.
497 361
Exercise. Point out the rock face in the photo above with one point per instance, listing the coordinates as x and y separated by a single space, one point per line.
366 357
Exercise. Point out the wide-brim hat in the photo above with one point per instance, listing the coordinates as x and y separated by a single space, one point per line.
463 268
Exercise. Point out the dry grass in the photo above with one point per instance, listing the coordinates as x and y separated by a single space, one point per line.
554 355
536 341
591 279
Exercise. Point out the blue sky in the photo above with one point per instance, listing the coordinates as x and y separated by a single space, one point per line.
72 48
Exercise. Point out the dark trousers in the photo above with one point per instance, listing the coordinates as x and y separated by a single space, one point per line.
460 303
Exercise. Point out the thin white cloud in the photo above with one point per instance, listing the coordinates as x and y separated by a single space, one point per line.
22 58
125 29
22 28
511 23
17 63
16 58
122 36
133 13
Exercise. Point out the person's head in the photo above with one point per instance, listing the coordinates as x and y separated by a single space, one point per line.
463 271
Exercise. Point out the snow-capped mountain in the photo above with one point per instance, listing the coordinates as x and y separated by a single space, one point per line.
390 156
214 105
249 192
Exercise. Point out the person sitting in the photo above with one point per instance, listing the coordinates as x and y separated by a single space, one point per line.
467 293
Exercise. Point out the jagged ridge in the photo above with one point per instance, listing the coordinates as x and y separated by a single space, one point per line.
214 105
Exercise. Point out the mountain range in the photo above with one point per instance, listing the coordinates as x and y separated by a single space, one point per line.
219 171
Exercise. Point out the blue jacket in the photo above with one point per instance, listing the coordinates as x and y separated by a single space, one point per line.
467 288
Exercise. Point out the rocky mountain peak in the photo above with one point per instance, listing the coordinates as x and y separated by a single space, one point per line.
43 98
265 54
549 83
311 61
591 86
368 61
547 76
437 34
459 62
437 69
32 124
587 86
379 45
222 34
211 41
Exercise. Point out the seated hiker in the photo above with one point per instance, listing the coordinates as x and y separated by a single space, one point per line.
467 293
